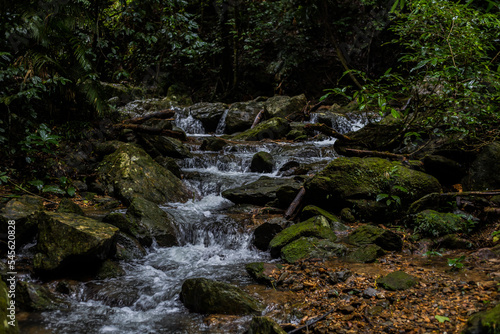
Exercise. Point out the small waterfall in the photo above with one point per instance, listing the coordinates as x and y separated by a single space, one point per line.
222 123
186 121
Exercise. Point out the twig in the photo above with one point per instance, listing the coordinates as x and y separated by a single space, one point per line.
29 192
312 322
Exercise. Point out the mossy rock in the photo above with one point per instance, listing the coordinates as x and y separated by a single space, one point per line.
241 115
128 248
130 172
284 106
22 211
206 296
310 247
369 234
262 162
486 322
213 144
165 146
366 254
9 324
314 227
264 325
397 280
261 272
275 128
209 114
312 210
68 206
33 297
110 269
436 224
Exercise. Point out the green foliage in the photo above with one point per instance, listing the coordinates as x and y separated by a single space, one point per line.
441 318
432 253
391 197
64 187
40 141
457 263
4 178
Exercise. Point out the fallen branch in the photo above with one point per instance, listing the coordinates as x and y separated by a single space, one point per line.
152 130
378 154
326 130
295 203
478 193
258 118
312 322
168 113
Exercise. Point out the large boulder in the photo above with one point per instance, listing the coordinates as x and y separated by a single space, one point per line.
262 162
165 146
310 247
128 248
487 322
21 210
264 190
208 113
436 224
264 233
274 128
285 106
365 253
205 296
358 183
130 172
369 234
67 240
318 227
483 174
241 115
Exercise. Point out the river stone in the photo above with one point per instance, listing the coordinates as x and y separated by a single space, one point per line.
213 144
128 248
34 297
109 269
165 146
262 162
170 164
284 106
437 224
366 254
310 211
205 296
67 239
369 234
314 227
264 233
264 325
262 191
397 280
347 182
130 172
68 206
261 272
21 210
209 114
275 128
241 115
483 174
487 322
5 314
311 247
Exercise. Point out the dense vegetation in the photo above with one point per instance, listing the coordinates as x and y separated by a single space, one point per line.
436 63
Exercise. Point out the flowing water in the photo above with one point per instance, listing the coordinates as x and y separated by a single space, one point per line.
213 244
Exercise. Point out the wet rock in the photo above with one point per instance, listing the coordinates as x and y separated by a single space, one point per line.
208 113
261 272
264 233
262 191
70 240
143 107
21 210
483 174
365 254
241 115
68 206
452 241
130 171
369 234
447 171
109 269
436 224
484 322
310 247
164 146
264 325
356 182
9 324
314 227
310 211
275 128
289 168
128 248
114 295
347 216
397 280
262 162
284 106
170 164
205 296
34 297
213 144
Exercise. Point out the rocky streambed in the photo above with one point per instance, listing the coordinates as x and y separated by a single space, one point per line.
206 240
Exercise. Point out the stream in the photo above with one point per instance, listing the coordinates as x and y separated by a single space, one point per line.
213 244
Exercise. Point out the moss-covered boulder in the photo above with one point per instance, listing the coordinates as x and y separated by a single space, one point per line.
261 272
262 162
241 115
311 247
164 146
357 182
310 211
264 325
35 297
285 106
208 113
486 322
274 128
205 296
436 224
7 311
369 234
483 174
67 240
365 254
397 280
130 172
263 191
318 227
68 206
213 144
21 210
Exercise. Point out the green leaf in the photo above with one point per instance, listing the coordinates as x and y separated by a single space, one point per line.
381 197
71 191
441 318
38 184
53 189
